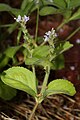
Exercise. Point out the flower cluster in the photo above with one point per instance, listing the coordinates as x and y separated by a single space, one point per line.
50 35
22 19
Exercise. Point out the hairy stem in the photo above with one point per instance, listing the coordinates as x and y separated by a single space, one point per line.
45 79
73 33
61 25
33 69
33 111
37 21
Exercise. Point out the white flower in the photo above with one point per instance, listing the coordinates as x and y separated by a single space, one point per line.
46 38
72 68
22 19
78 41
18 19
25 18
50 35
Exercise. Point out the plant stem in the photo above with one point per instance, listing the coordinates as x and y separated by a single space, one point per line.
73 33
33 69
18 37
61 25
33 111
45 79
37 21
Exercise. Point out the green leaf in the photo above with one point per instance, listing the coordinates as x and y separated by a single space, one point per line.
41 51
67 45
60 86
4 61
49 9
6 92
31 61
20 78
5 7
68 3
62 48
67 13
12 27
46 2
24 3
76 15
60 3
11 51
74 3
28 8
58 63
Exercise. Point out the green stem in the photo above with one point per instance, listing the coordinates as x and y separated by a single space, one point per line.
18 37
73 33
33 69
61 25
37 21
45 79
33 111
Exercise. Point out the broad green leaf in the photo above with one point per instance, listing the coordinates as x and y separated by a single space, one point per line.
11 51
74 3
60 3
76 15
45 62
20 78
5 7
31 61
60 86
67 13
6 92
38 62
47 2
41 51
58 63
49 9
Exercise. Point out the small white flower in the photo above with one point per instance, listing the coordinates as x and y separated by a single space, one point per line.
78 41
46 38
18 19
22 19
50 35
53 32
72 68
25 18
